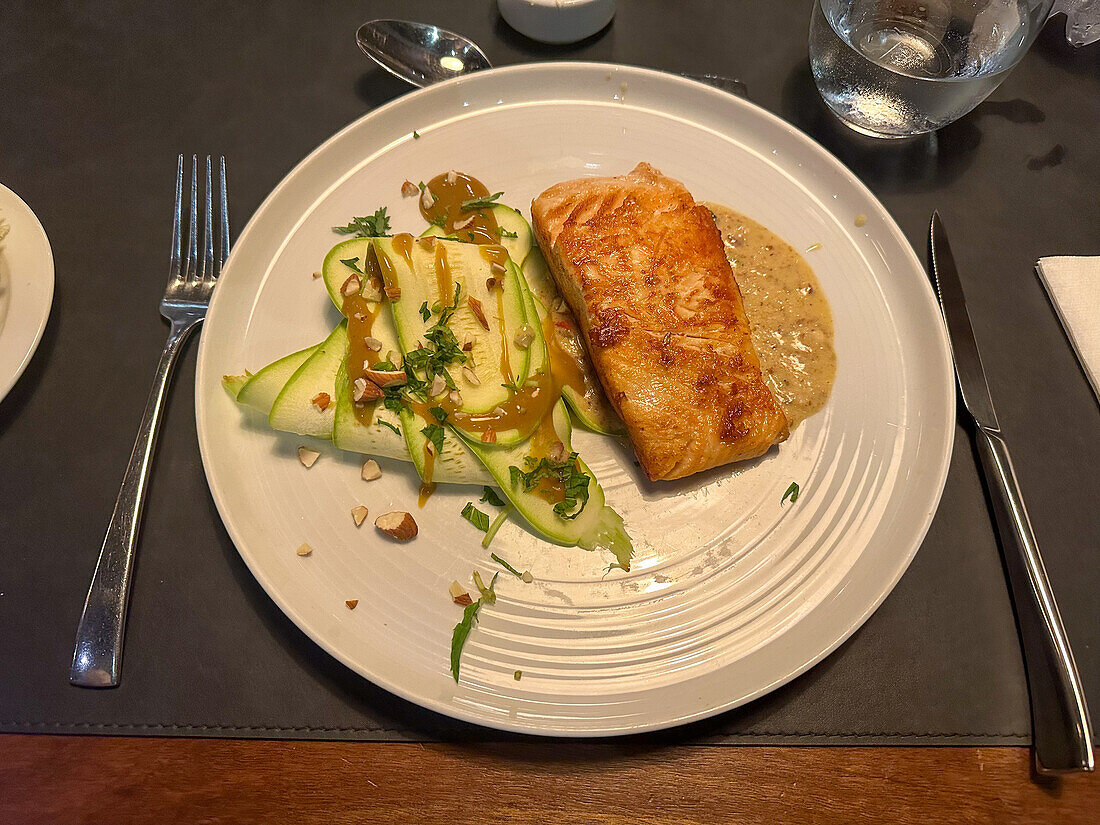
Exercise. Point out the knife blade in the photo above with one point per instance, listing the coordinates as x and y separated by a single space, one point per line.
1059 715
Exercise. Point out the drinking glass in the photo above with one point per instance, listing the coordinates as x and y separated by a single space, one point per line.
895 68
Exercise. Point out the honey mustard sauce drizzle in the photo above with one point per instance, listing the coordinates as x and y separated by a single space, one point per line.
567 371
361 314
449 191
790 322
443 281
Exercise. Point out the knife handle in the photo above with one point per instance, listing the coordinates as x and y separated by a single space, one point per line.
1059 716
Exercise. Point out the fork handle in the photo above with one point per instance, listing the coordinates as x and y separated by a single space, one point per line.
97 656
1059 715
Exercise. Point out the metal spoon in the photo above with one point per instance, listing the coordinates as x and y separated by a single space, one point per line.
422 54
419 53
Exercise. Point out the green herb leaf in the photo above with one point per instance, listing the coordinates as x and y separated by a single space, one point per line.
499 520
388 424
434 434
353 263
477 518
506 565
488 594
394 400
792 493
504 233
370 226
568 473
385 365
440 220
416 135
461 633
425 313
439 413
490 497
480 203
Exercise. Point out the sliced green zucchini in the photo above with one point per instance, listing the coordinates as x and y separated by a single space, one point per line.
295 409
515 233
580 387
596 525
345 259
260 391
422 288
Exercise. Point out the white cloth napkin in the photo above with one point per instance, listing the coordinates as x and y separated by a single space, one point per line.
1074 288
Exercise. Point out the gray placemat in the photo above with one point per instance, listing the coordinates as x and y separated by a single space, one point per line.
97 104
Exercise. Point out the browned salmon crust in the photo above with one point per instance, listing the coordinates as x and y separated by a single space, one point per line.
644 270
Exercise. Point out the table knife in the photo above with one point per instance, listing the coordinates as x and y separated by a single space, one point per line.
1059 716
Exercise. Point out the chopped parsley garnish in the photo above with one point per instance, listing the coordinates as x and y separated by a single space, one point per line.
488 594
387 366
506 565
441 220
370 226
514 387
416 135
573 480
388 424
393 399
504 233
792 493
461 633
480 203
477 518
439 413
490 497
425 313
434 434
492 531
353 263
470 235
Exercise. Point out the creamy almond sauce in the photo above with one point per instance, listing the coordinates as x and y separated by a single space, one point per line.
789 317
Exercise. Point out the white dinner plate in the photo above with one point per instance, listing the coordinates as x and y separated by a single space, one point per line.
731 593
26 287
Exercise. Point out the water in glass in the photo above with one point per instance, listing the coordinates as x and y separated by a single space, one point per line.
893 68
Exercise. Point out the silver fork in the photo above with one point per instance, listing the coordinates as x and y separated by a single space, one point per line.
97 657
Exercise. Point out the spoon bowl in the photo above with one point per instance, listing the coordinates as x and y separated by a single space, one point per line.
419 53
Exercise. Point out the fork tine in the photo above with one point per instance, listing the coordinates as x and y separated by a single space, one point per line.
206 271
223 203
177 219
191 263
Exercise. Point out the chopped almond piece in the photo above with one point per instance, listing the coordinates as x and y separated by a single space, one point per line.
373 344
364 391
387 378
397 525
351 603
493 283
371 470
409 189
527 577
393 292
427 242
471 376
304 550
373 289
316 275
427 199
359 514
351 285
455 397
524 336
464 600
476 309
558 452
308 456
321 401
439 385
452 176
497 270
489 436
464 222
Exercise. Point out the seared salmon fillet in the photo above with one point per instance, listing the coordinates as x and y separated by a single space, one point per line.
644 270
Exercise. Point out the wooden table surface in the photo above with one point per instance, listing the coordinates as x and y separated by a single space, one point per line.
69 779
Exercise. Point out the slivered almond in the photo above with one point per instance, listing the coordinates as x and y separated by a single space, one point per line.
364 391
478 311
459 594
427 199
387 378
308 456
452 176
304 550
351 285
439 384
456 397
409 189
489 436
351 603
462 224
471 376
321 401
397 525
373 344
371 470
393 292
497 270
358 514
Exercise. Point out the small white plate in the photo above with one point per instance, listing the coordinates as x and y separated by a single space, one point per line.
26 287
731 593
